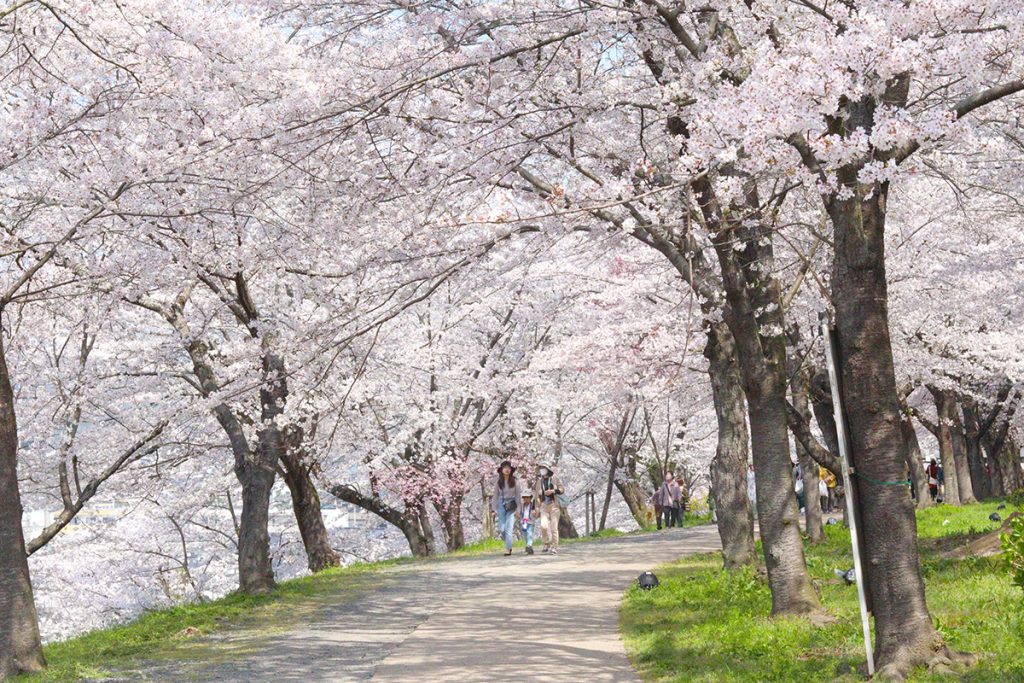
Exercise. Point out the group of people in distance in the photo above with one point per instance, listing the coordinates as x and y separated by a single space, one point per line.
513 501
828 490
670 501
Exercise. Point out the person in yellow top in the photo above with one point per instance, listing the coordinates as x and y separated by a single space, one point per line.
830 481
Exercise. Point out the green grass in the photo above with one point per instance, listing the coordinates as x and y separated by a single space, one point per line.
705 624
170 634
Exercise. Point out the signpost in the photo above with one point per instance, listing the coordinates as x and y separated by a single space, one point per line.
832 355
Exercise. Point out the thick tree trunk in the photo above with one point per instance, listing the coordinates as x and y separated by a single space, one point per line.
729 466
960 454
980 485
1013 475
904 632
754 316
634 497
943 431
306 506
20 646
777 513
566 527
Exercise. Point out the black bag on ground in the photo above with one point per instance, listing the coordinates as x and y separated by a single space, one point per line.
647 581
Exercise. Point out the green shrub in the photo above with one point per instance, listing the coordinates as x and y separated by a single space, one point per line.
1013 550
1016 499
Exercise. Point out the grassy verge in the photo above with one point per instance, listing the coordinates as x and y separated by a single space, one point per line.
170 633
705 624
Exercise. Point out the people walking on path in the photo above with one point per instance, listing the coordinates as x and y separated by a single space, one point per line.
530 514
547 490
681 499
670 495
507 502
663 503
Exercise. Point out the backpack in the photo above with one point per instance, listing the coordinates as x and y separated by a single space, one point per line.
647 581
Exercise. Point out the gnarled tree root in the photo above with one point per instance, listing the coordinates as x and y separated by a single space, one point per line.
938 659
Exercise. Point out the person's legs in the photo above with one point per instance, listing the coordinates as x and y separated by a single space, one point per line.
545 527
667 512
505 523
657 515
679 516
554 513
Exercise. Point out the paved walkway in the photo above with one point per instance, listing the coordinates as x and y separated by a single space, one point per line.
493 619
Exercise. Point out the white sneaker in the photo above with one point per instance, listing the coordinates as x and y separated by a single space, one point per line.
553 551
546 549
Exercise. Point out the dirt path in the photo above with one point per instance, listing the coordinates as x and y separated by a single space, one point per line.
493 619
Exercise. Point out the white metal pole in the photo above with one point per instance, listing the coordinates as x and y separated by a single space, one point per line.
844 457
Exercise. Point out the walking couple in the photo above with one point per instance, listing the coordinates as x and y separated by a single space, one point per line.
514 501
670 501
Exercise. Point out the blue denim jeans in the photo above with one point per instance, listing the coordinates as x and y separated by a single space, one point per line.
506 525
528 534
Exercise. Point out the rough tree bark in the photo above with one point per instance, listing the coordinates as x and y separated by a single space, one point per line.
942 430
973 435
754 315
20 646
904 632
729 466
449 509
296 470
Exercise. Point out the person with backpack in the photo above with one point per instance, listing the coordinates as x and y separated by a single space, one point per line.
530 514
548 490
506 502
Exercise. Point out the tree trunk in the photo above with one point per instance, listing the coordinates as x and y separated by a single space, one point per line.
918 477
980 485
612 466
904 632
1008 461
20 646
799 384
407 521
566 528
450 511
426 528
306 506
754 316
960 454
634 497
812 501
777 513
947 453
729 466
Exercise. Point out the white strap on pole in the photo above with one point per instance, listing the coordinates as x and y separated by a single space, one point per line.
844 457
